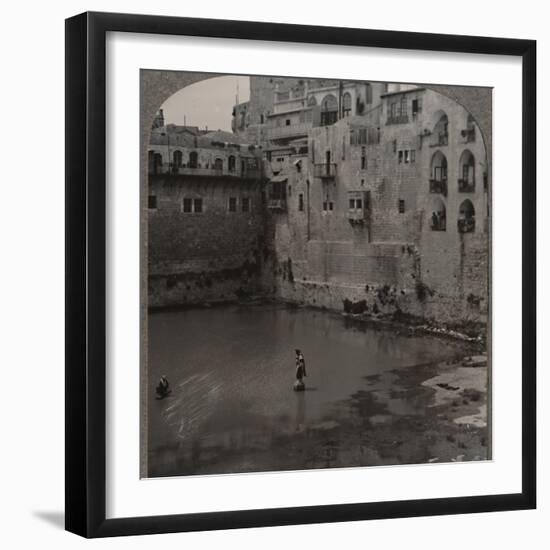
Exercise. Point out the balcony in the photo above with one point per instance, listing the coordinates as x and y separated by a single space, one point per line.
291 131
438 222
276 205
466 186
468 135
324 171
214 171
398 119
356 217
466 225
438 186
439 139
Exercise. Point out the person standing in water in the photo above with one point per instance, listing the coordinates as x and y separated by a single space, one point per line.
300 370
163 388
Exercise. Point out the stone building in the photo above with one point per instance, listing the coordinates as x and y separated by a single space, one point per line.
379 199
365 196
205 216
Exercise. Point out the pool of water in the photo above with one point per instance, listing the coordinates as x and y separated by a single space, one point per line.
232 370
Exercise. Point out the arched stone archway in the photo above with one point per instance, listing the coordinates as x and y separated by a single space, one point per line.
156 86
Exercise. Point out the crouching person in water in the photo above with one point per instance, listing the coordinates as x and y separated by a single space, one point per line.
300 371
163 388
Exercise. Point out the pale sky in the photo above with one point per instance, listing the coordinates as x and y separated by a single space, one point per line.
207 103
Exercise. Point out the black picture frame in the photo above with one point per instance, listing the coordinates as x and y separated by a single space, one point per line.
86 276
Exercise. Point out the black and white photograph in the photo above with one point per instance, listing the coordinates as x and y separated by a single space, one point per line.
315 273
273 275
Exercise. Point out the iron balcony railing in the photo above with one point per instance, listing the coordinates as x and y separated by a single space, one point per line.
468 135
212 171
466 186
467 225
438 186
278 205
439 140
357 216
292 130
325 170
398 119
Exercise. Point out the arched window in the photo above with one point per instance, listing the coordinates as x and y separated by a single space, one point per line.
329 110
466 217
231 163
193 159
438 215
218 164
346 104
177 159
440 133
438 173
467 175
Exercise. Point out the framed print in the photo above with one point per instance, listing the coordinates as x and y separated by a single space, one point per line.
300 274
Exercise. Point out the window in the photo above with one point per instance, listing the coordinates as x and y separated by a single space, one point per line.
187 205
363 158
394 143
400 157
152 202
193 159
197 206
413 155
246 204
177 158
331 206
325 206
407 156
301 202
346 107
393 110
231 163
218 164
403 107
401 206
329 110
358 204
287 122
416 107
352 204
268 156
232 204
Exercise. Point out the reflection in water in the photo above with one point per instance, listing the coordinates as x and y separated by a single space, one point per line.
232 370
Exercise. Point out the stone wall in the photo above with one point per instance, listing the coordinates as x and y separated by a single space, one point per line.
215 254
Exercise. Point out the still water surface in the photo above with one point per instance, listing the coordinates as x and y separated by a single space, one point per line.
232 368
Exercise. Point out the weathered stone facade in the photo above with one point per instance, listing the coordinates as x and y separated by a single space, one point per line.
206 222
368 193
